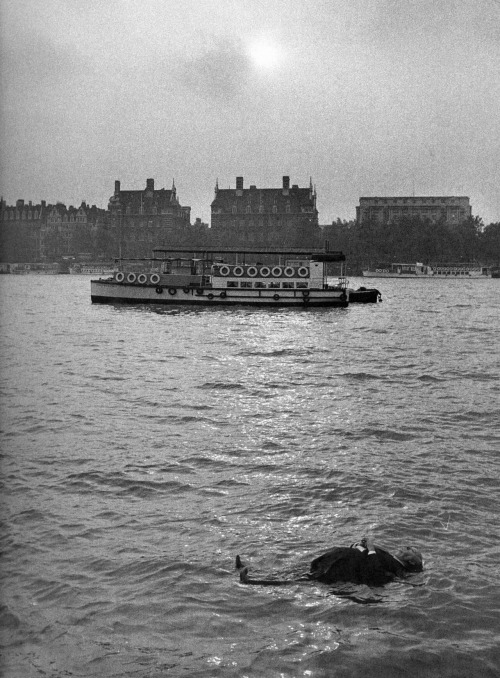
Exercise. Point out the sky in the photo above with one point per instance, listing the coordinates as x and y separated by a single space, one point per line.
364 97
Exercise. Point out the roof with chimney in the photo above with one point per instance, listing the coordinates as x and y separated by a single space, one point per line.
146 198
262 200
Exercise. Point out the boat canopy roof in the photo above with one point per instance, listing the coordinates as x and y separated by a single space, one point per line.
328 256
209 252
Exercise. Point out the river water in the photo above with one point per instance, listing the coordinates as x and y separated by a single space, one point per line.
143 448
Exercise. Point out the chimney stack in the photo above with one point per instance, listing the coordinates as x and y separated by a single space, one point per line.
286 182
150 184
239 183
117 187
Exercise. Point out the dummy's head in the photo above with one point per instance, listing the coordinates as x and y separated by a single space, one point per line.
411 559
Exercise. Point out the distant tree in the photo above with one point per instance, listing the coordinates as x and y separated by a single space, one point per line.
104 243
489 244
466 237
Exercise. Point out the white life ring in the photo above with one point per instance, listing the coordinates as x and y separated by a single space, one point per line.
277 271
142 278
119 277
224 270
252 271
155 278
238 270
265 271
303 271
289 271
131 277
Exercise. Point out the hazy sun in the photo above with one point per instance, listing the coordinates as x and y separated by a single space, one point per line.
265 54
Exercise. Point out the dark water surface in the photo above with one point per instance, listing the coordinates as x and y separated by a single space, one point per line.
143 448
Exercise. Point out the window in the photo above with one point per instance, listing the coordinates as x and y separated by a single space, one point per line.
275 209
249 209
274 285
288 285
232 283
234 209
260 285
246 284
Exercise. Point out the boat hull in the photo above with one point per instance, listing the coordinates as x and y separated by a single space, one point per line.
364 296
105 292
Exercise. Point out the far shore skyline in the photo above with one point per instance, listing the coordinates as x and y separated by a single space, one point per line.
379 98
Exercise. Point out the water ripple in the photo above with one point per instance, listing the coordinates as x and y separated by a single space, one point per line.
143 448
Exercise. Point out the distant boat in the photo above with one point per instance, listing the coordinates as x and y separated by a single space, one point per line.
297 278
461 270
420 270
92 269
36 269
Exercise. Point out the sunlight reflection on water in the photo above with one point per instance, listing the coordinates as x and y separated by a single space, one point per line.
141 450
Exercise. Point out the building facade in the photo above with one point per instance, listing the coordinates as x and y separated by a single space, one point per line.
20 230
262 217
148 218
453 210
41 232
73 232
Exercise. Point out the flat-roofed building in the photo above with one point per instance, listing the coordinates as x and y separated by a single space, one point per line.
452 210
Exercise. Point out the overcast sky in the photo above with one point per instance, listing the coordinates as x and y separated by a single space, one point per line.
367 97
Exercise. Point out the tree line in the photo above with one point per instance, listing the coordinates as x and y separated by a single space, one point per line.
406 241
412 239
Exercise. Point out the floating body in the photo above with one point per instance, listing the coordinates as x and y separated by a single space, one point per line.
358 564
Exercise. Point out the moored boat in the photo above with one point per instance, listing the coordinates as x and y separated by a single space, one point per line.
92 269
297 278
460 270
420 270
37 269
398 271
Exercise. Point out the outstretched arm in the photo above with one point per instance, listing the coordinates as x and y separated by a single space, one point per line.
245 579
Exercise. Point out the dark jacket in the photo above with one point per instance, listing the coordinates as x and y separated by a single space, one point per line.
345 564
